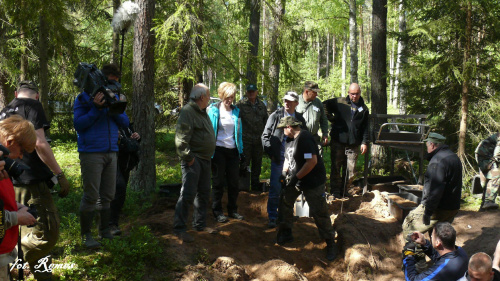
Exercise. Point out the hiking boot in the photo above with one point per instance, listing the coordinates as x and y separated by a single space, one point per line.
115 230
489 205
236 216
272 223
185 237
331 249
89 242
221 218
284 236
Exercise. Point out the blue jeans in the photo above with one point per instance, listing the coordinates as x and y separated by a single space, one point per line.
275 188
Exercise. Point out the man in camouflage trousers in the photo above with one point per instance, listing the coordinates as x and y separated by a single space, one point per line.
253 115
488 160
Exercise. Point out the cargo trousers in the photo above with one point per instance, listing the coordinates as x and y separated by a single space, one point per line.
37 241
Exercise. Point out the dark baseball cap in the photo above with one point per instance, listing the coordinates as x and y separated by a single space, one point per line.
288 121
251 87
313 86
27 84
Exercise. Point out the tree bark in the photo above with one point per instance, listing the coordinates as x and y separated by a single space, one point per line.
253 40
379 74
379 57
274 54
24 57
143 99
401 59
353 41
318 66
465 86
115 56
334 53
327 54
264 33
43 64
344 65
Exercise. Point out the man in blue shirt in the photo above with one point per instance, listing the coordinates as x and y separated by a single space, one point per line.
450 262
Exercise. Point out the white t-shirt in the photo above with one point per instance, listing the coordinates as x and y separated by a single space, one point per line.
225 134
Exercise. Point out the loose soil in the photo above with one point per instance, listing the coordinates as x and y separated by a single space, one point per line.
368 238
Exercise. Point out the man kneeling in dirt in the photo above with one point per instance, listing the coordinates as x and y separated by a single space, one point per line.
450 261
305 173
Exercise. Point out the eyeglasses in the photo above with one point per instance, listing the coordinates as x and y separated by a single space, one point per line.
355 94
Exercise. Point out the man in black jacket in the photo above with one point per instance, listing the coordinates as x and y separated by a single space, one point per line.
442 188
273 141
349 135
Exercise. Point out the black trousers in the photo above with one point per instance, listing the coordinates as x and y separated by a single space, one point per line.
122 176
225 170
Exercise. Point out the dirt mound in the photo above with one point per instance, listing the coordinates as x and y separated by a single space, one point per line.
367 236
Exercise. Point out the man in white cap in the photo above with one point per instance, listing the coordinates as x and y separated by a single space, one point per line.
273 141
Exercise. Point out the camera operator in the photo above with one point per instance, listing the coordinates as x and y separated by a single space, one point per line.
17 135
97 132
33 185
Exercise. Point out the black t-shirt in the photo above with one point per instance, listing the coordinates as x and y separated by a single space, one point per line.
300 149
32 111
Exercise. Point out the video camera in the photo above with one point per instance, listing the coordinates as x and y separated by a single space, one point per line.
91 80
12 167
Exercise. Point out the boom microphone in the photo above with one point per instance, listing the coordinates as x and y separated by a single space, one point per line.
125 16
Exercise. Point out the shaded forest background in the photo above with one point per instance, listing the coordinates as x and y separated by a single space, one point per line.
430 57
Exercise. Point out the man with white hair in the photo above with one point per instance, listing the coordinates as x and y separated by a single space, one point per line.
195 144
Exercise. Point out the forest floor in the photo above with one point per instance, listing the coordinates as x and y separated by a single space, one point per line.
368 237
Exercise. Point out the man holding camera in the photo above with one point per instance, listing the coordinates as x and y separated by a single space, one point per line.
16 134
97 131
33 186
449 261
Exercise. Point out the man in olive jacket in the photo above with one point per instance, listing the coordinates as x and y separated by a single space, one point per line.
349 135
195 145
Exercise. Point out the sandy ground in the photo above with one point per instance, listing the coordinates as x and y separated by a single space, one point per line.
368 238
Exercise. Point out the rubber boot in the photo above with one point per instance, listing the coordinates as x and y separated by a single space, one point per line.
104 229
86 219
331 249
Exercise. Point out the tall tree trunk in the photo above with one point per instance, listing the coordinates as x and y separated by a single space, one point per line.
4 89
143 99
275 54
465 86
344 65
24 57
379 73
43 64
115 56
379 57
334 52
264 37
401 59
327 54
391 73
361 34
318 66
353 41
253 39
